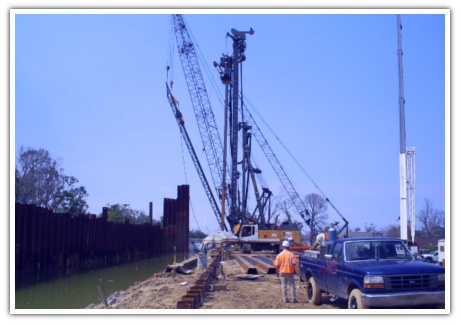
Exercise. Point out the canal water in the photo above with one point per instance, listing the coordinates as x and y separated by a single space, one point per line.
76 291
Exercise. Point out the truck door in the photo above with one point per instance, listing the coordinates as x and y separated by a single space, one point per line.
336 279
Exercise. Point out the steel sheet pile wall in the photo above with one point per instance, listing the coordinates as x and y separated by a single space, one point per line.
47 241
176 221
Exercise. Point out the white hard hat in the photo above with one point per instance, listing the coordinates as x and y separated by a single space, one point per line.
286 243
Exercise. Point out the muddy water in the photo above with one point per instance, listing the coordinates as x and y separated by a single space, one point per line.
79 290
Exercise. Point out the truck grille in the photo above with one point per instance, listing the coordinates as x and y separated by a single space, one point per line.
411 281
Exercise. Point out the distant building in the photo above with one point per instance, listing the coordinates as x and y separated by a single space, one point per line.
442 253
422 242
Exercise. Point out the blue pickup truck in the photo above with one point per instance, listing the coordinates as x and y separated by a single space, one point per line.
371 273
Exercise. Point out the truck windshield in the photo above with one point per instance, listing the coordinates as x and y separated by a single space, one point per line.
376 250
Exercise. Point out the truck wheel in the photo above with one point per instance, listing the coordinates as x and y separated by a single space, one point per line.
355 300
313 292
429 260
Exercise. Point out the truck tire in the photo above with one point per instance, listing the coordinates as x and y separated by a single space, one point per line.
313 292
429 260
355 300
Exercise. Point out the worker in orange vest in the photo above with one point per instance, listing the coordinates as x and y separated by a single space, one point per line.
284 263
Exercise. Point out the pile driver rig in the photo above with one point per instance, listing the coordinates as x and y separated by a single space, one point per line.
231 181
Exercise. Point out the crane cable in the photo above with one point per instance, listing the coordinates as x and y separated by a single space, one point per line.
170 54
218 92
169 76
186 181
295 160
219 97
205 67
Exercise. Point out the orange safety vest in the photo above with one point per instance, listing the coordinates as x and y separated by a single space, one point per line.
286 261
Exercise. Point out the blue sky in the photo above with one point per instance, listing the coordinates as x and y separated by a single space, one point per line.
90 88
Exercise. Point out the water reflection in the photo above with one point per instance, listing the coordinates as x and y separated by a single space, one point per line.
80 290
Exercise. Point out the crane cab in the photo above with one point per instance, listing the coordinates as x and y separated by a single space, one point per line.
262 238
249 232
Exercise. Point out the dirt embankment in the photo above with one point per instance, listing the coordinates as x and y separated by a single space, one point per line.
163 291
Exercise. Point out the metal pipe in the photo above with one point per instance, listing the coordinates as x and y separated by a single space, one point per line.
402 141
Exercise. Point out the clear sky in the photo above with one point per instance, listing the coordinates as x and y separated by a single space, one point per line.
90 89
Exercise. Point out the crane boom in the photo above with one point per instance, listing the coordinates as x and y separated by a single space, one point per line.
279 170
207 126
180 122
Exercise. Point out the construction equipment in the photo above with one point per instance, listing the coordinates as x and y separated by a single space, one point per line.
263 237
235 201
406 156
234 196
212 144
181 123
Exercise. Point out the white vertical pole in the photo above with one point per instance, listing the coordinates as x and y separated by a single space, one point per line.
411 188
402 142
403 195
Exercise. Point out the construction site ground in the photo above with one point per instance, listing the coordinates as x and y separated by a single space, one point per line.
164 290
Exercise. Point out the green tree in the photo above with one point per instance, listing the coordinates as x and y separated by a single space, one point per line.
122 212
72 199
40 180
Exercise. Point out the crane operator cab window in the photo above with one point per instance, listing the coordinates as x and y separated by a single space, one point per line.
247 231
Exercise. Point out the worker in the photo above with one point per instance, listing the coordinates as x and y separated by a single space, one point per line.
225 251
321 240
205 251
284 263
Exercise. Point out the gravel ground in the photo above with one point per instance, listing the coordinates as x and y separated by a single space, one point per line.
163 291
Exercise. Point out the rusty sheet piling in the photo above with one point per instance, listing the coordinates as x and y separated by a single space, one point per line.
265 265
46 241
255 265
176 221
195 296
246 267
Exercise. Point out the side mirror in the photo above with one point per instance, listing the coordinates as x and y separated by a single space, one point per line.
328 257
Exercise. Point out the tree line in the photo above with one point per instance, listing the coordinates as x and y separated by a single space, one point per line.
40 180
430 221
